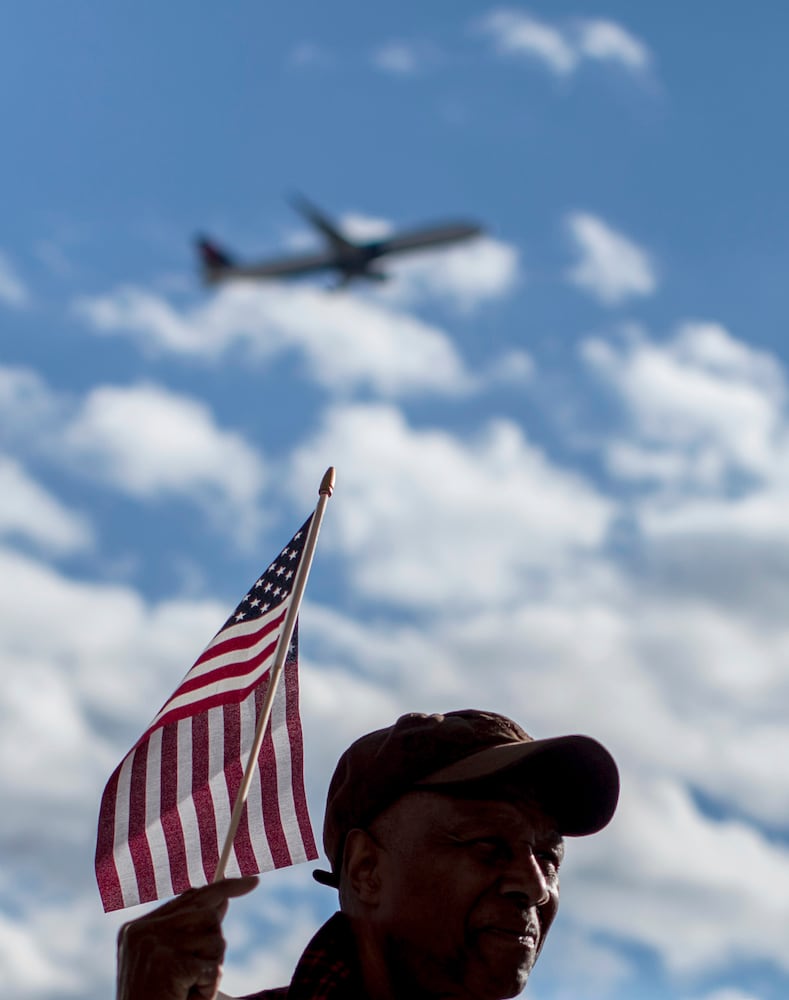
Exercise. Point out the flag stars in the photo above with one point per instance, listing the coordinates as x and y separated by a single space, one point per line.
240 616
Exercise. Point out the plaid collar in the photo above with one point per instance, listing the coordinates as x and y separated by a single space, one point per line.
328 969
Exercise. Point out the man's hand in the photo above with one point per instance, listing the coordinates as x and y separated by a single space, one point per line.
176 951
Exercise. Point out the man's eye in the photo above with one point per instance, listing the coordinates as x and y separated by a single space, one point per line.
549 860
488 848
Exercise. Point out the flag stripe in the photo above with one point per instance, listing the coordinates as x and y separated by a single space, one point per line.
291 681
106 868
232 640
121 846
138 841
171 819
271 816
187 809
154 829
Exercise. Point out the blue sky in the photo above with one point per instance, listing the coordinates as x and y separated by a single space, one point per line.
560 449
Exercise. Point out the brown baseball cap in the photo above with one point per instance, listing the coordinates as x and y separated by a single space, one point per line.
574 777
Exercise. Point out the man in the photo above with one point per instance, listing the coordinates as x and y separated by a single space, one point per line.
445 836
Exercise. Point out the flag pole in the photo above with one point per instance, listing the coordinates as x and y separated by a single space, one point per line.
324 492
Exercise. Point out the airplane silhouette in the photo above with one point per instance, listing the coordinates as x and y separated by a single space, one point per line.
348 258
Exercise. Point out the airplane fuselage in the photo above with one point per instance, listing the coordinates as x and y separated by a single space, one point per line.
345 256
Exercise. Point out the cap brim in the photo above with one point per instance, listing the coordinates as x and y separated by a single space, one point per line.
574 777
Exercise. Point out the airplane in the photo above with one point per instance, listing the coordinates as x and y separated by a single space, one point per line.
351 259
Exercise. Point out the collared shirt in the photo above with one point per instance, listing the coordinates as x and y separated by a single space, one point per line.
327 970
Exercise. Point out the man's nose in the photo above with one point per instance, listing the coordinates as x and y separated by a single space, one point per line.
524 877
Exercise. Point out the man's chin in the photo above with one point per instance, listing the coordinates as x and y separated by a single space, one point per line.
505 962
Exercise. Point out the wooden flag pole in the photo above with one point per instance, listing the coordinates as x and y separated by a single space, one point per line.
324 492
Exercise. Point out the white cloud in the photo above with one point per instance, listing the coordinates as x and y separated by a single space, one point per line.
142 440
728 875
464 276
516 33
30 511
563 48
609 41
150 443
26 402
13 291
513 510
730 994
347 342
702 405
610 266
704 446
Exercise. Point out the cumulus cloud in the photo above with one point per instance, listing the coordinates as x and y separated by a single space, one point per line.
705 448
465 276
29 511
515 32
489 491
13 291
143 440
346 341
655 873
702 405
610 266
608 41
563 47
150 442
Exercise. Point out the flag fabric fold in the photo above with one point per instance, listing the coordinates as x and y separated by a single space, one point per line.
166 808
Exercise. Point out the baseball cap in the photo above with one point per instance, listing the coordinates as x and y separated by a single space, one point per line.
574 777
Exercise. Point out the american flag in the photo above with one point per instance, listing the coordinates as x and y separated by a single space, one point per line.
166 809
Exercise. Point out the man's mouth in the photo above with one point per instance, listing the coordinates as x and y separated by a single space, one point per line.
524 936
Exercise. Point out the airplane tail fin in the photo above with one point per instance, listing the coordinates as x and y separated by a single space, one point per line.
213 258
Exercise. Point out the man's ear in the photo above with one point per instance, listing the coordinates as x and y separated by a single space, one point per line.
361 864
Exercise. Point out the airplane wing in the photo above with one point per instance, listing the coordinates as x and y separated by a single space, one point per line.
323 224
431 236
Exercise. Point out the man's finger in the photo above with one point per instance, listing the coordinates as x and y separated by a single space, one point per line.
207 896
218 893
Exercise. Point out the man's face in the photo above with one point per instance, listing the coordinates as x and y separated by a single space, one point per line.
468 891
